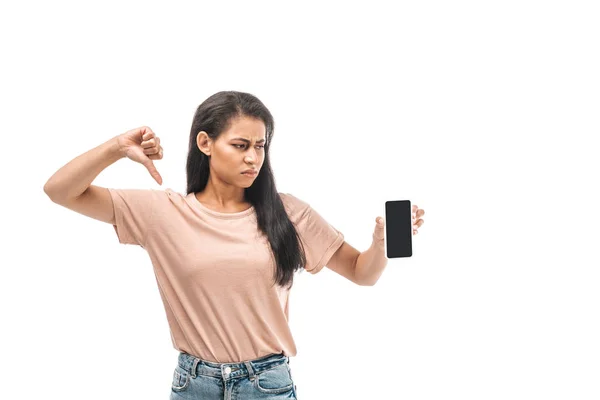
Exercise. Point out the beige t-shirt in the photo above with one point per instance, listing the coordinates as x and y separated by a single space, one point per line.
215 271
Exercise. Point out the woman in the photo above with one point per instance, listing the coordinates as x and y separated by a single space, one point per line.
225 253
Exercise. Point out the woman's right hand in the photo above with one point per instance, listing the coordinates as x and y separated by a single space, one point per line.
142 145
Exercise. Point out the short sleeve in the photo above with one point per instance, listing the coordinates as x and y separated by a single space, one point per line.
133 210
320 239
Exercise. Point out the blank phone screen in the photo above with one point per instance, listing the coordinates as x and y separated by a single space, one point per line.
398 228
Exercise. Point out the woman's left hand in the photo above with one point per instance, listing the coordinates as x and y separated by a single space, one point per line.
417 222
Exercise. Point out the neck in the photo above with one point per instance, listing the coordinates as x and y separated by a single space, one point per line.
222 195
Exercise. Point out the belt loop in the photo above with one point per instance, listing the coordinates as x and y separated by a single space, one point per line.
250 370
194 366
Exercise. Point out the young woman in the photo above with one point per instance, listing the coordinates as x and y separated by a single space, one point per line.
225 253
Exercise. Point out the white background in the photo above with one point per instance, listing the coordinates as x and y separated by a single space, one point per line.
484 114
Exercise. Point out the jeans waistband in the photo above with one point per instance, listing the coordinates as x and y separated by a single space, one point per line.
197 366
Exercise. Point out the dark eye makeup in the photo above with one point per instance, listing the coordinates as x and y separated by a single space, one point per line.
243 145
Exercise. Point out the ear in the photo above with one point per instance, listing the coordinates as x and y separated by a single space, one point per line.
204 142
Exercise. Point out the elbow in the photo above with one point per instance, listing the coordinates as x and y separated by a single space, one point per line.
366 283
48 190
51 193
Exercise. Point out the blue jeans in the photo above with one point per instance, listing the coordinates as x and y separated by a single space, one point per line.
268 377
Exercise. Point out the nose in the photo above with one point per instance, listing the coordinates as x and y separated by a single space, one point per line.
253 158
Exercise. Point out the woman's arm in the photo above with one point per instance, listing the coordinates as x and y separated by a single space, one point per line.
364 268
370 264
71 185
74 178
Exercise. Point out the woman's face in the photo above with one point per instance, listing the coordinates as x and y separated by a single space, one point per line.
237 149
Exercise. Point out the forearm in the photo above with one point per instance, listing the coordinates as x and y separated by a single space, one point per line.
371 263
75 177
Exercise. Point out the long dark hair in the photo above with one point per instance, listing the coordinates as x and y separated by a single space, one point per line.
214 116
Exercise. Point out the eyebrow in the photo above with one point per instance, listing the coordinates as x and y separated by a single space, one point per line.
246 140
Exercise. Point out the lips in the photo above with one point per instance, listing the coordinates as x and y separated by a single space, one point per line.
250 172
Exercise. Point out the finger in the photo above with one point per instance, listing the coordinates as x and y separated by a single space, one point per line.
158 156
149 143
155 141
379 225
153 171
415 208
151 150
418 224
148 133
420 213
141 131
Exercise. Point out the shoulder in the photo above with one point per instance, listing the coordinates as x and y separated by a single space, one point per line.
296 208
293 203
169 196
168 203
162 196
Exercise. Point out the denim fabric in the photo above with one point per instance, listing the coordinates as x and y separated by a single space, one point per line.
268 377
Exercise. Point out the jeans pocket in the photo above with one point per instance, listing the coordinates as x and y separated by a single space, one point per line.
275 380
181 379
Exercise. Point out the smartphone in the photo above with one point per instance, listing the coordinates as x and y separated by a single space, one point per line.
398 228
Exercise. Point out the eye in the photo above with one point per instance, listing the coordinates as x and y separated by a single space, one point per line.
243 145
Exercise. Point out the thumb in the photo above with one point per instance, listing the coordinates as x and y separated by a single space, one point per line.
380 224
153 171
